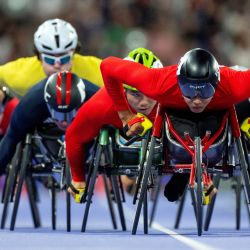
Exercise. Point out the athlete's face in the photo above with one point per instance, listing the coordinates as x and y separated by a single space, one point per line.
63 125
56 63
139 102
197 105
2 96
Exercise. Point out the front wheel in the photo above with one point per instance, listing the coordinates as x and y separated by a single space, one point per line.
199 189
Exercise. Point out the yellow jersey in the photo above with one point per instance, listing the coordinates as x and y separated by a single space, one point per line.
20 75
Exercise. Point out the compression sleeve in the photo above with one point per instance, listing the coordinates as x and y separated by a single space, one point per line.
91 117
151 82
238 82
8 110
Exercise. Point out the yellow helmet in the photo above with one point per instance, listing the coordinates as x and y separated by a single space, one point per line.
145 57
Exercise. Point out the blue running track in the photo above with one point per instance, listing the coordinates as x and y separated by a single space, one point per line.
100 235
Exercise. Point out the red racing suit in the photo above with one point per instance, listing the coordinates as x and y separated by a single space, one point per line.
91 117
162 85
6 115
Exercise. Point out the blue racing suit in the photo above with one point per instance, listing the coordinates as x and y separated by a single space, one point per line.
30 113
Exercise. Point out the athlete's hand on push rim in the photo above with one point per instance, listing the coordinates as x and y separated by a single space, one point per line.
134 129
76 185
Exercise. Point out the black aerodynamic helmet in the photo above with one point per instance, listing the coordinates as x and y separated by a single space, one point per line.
198 74
64 93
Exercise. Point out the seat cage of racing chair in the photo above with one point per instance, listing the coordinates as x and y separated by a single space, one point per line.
37 160
110 159
49 152
197 169
126 154
186 146
213 154
126 157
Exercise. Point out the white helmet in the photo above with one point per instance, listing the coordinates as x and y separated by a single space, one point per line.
55 36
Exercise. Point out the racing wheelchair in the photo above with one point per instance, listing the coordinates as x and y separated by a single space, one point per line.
201 158
39 157
113 157
236 184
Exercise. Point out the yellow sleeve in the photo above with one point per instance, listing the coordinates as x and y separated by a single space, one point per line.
88 67
20 75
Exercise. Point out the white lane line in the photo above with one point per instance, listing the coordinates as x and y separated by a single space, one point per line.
190 242
194 244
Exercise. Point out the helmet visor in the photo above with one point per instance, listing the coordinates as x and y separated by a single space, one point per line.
204 90
60 116
51 60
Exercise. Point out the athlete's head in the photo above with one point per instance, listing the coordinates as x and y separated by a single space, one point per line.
55 42
64 93
139 102
145 57
198 75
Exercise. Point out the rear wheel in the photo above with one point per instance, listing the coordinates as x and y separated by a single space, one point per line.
244 170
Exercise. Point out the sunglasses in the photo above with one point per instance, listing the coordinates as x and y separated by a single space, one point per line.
191 91
60 117
51 60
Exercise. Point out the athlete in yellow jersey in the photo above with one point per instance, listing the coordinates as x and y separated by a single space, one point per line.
56 46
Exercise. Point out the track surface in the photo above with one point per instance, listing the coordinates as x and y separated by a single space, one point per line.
100 234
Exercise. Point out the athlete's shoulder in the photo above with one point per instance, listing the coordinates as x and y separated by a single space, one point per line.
168 72
23 62
87 67
224 69
90 85
228 72
171 68
86 59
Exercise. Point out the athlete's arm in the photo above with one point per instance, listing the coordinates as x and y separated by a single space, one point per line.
29 113
238 82
151 82
90 118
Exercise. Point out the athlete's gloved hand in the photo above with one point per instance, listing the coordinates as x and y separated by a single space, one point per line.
77 189
245 127
133 124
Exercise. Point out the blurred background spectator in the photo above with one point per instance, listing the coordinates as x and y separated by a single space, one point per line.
114 27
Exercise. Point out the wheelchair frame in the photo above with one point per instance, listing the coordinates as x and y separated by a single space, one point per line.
20 165
112 172
197 168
